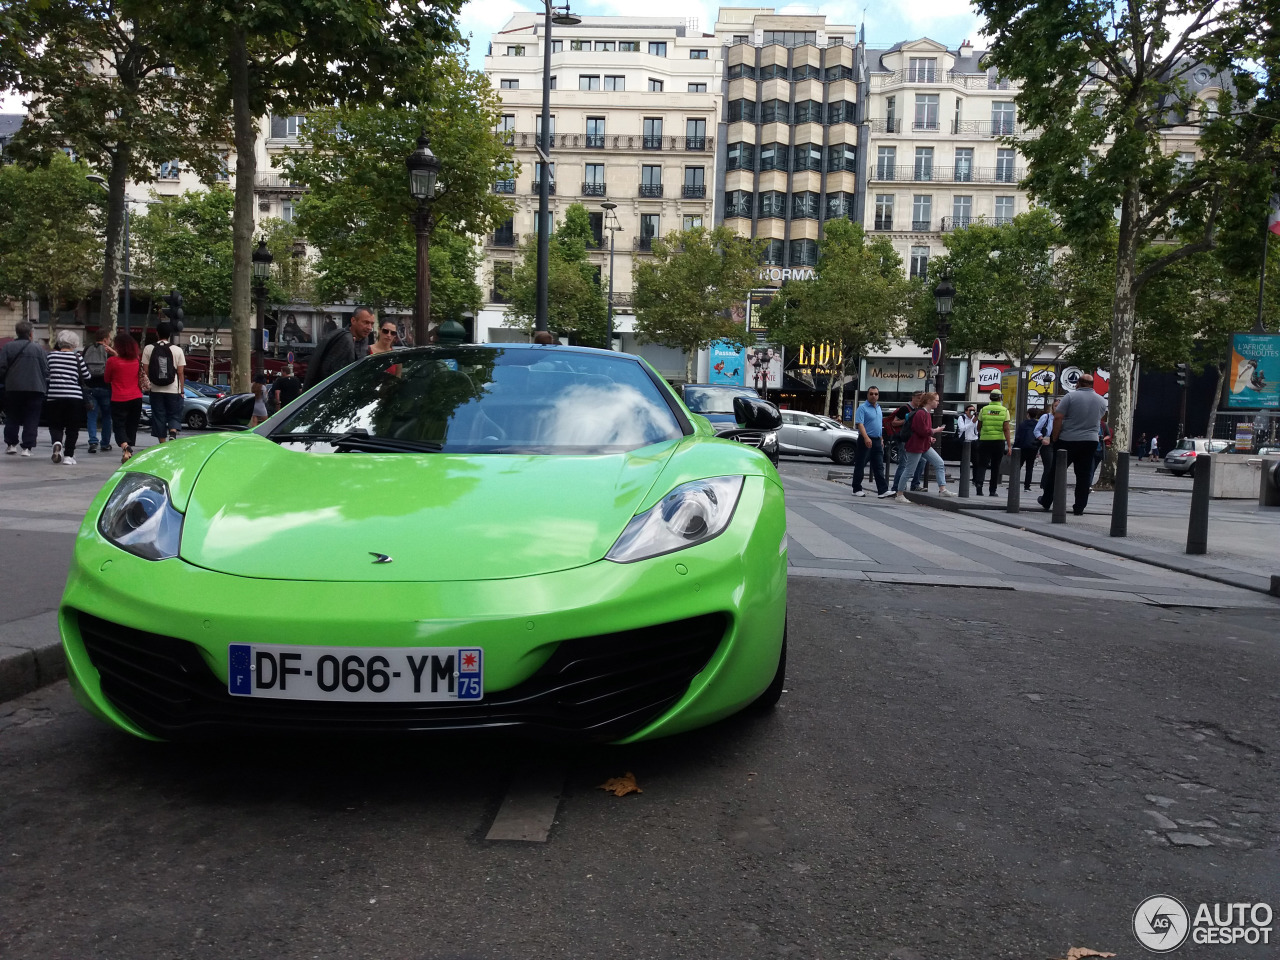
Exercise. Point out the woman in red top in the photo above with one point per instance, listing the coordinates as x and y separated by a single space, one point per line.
920 444
126 397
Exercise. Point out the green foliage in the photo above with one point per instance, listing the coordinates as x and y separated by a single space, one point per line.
50 223
575 301
184 244
685 294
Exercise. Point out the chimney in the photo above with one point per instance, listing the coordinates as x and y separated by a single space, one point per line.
966 48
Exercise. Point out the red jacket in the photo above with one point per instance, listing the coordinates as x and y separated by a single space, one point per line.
921 431
122 378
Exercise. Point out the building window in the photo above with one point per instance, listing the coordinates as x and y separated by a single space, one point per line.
628 46
924 163
537 125
286 126
588 82
652 133
964 165
842 156
1002 118
926 112
773 203
595 133
224 172
1211 109
697 54
648 230
593 180
1004 210
791 38
657 48
507 127
804 253
806 156
651 180
557 46
655 85
884 211
807 111
886 163
921 212
1185 162
287 211
505 236
839 206
775 111
537 173
804 206
742 110
170 170
773 156
842 111
508 83
695 132
697 88
807 71
579 44
517 51
961 212
695 186
919 263
1004 166
773 253
741 38
502 271
922 70
597 228
605 46
741 156
615 83
737 203
692 220
890 114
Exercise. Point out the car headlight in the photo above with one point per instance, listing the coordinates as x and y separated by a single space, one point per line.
139 517
692 513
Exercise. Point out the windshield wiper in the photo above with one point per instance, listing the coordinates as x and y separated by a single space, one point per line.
360 440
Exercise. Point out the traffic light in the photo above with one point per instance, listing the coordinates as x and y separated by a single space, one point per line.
1184 369
173 312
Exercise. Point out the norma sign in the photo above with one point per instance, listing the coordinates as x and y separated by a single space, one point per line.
783 274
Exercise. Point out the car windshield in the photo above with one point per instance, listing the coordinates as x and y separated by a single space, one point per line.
539 400
702 399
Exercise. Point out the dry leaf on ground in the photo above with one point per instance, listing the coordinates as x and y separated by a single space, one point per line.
1079 953
621 786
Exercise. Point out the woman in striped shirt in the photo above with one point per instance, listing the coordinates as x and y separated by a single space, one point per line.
64 400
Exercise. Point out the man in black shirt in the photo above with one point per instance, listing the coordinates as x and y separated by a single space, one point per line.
342 347
287 388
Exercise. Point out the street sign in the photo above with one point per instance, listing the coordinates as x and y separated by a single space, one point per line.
936 353
289 355
266 338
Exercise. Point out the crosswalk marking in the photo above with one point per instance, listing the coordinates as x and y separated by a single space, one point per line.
931 552
819 542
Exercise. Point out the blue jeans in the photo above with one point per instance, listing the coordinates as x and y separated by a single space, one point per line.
931 456
874 453
99 406
916 478
166 413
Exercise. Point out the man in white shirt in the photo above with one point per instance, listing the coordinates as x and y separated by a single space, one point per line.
1044 437
967 428
165 364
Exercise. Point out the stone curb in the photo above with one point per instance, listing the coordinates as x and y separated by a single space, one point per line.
30 655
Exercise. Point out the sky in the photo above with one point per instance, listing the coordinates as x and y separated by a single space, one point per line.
947 21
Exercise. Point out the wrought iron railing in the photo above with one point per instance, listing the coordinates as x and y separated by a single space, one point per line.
960 223
919 174
650 189
551 187
593 189
504 186
504 238
694 191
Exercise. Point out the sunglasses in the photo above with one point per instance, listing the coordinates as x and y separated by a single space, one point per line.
389 331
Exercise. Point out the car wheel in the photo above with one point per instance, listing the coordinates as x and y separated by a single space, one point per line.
196 420
843 453
773 693
1190 471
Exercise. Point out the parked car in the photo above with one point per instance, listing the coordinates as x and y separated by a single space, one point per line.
211 390
809 435
1269 451
232 412
716 403
1181 460
521 531
195 409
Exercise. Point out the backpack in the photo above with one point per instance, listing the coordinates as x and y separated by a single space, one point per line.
904 431
160 369
95 358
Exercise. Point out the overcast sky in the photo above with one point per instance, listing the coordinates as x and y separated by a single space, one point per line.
947 21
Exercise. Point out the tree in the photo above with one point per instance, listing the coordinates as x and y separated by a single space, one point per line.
577 304
50 221
684 295
1009 289
1105 86
853 303
269 57
99 80
184 243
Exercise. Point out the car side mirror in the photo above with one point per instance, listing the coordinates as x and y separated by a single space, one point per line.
756 414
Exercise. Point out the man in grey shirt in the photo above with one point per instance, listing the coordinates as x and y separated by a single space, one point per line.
1075 430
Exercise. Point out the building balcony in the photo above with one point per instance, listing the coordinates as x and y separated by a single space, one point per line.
652 142
643 244
619 142
961 223
498 296
593 141
910 173
884 223
694 191
987 128
504 238
933 78
592 189
274 183
921 226
504 186
695 143
650 189
551 188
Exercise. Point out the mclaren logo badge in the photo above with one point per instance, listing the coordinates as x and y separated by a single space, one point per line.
379 557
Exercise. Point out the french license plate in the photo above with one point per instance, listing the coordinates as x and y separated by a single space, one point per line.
355 674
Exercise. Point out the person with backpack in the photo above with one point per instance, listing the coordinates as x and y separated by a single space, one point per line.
97 393
24 371
920 445
901 427
163 369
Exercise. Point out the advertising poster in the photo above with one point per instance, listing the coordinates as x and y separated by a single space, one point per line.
297 329
1041 383
764 368
989 376
1009 390
727 363
1253 373
756 302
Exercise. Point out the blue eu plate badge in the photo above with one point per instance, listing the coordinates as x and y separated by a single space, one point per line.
240 680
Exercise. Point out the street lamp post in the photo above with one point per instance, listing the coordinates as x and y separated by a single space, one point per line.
423 168
261 273
944 295
611 223
561 16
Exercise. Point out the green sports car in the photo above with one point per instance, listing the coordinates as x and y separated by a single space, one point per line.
539 540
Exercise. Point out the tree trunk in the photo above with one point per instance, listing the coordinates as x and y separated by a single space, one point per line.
1123 318
1137 377
117 177
690 358
831 383
840 397
242 217
1217 397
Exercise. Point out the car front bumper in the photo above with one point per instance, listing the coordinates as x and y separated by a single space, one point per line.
604 652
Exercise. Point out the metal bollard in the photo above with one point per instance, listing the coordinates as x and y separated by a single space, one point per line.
966 467
1014 504
1120 503
1060 487
1198 523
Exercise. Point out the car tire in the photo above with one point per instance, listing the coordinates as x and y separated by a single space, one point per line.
1190 471
196 420
844 454
773 693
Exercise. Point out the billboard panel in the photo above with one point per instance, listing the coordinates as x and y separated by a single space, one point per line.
1253 373
764 368
727 363
756 302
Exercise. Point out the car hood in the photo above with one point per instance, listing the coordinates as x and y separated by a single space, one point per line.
265 511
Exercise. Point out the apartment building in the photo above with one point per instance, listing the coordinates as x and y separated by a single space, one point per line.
633 114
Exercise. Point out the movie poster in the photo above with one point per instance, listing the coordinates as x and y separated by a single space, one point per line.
1253 373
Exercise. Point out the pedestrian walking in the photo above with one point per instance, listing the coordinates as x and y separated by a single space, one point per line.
1044 437
1075 430
995 441
1028 446
24 371
122 376
868 420
920 445
1143 447
1100 452
98 394
65 400
967 430
287 388
341 347
1155 448
901 433
163 367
